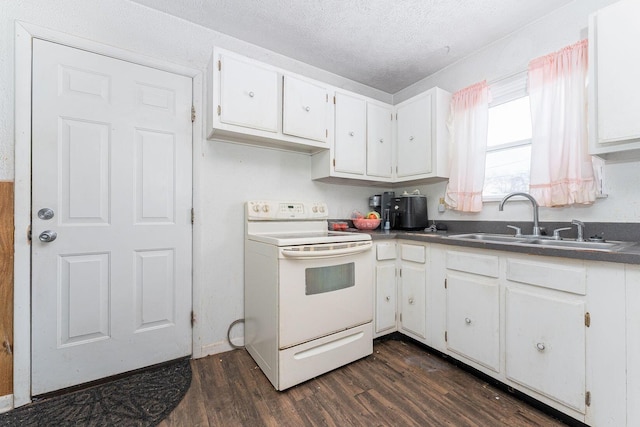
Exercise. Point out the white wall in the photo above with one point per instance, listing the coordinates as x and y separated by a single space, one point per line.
511 55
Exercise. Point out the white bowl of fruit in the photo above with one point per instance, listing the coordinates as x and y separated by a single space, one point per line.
370 221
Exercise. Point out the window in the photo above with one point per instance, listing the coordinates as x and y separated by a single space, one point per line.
508 158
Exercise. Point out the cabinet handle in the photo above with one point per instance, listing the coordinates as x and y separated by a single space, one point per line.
251 94
381 140
540 346
410 138
467 320
307 108
388 298
351 133
411 300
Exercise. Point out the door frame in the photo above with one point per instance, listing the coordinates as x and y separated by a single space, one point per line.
24 35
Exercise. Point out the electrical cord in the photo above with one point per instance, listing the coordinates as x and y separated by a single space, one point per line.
235 322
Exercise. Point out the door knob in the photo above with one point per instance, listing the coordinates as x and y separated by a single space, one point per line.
48 236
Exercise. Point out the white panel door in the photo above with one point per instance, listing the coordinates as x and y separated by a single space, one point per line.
413 304
385 296
379 148
304 109
350 134
414 137
112 161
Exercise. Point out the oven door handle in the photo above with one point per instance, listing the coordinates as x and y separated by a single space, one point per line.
289 253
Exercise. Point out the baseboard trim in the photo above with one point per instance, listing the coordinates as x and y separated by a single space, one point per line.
219 347
6 403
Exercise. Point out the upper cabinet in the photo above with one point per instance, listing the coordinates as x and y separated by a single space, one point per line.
379 141
304 109
254 103
422 136
376 142
249 95
614 87
350 139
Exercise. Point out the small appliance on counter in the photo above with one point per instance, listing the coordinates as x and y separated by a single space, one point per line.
407 212
413 211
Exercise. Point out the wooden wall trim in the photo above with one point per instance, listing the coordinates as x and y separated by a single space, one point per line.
6 287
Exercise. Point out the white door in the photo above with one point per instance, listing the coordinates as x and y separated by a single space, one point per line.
112 161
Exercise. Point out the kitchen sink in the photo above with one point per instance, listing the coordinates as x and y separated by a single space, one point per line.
537 241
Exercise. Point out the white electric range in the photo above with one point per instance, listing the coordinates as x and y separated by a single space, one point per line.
308 291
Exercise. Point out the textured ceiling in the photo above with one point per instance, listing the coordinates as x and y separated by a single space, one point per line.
386 44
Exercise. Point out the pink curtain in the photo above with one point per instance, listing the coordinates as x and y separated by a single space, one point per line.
468 125
561 168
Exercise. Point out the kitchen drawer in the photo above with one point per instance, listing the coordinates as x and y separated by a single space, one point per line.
385 251
414 253
562 277
484 265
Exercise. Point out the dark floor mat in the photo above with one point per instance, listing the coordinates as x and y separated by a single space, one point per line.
142 399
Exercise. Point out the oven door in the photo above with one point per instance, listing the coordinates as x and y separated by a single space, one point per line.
324 289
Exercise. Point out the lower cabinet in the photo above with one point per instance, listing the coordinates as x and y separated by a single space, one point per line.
545 345
413 279
386 290
473 308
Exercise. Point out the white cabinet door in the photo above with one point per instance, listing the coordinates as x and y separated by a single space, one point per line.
350 134
545 345
473 318
413 276
248 94
414 137
379 141
385 296
304 109
614 73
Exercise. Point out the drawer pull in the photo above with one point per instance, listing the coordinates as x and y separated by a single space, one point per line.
411 300
251 94
388 298
467 320
540 346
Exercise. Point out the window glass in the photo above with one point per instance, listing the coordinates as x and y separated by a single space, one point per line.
508 160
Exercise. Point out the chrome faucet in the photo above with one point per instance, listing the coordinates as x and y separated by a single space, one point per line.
534 204
580 226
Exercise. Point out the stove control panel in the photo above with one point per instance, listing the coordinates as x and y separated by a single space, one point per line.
276 210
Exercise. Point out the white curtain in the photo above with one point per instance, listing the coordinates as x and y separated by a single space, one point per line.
561 168
468 125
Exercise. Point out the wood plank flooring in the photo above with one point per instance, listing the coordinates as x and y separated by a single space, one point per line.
399 385
6 288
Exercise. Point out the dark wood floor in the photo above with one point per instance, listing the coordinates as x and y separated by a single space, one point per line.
399 385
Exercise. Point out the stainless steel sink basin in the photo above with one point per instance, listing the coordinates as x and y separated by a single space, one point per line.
607 246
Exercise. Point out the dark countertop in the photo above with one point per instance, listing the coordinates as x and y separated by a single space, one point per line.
629 255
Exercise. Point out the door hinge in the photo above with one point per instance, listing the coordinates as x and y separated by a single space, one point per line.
327 98
29 234
446 337
193 216
400 272
587 319
334 100
587 398
396 116
219 110
219 65
445 283
391 116
193 114
334 162
400 317
326 133
193 318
